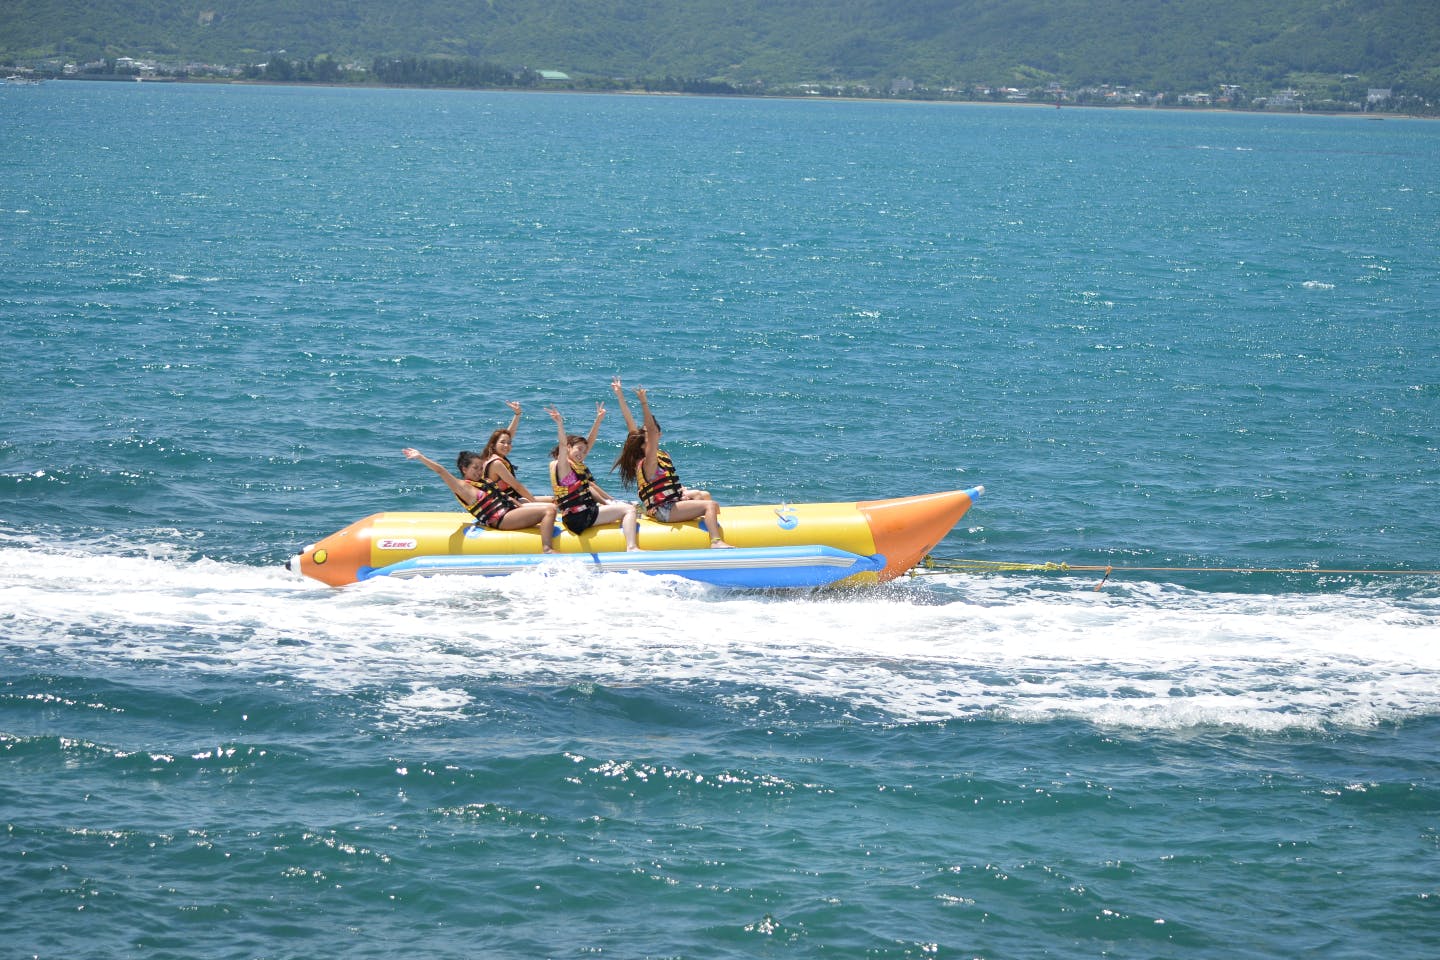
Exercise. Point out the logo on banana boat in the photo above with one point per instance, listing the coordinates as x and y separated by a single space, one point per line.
786 517
396 543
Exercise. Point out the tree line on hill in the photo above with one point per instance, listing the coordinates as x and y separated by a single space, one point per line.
1321 93
928 48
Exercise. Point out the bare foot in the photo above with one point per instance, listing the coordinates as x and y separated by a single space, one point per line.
718 543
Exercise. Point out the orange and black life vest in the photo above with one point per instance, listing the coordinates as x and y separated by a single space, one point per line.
664 487
500 485
491 502
576 496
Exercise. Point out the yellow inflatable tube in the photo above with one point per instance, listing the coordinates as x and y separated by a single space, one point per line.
901 530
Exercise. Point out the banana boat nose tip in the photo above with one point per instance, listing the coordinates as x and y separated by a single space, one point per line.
294 564
907 528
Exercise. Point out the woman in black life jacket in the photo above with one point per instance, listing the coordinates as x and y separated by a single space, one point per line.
581 502
644 465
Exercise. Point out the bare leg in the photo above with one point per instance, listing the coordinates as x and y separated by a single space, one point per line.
631 525
540 515
694 510
625 513
712 521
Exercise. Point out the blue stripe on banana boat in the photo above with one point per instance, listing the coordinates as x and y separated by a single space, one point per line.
740 567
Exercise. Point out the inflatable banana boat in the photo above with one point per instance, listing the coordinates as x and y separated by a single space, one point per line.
779 545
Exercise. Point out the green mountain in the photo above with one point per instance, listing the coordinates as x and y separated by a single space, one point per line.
1153 44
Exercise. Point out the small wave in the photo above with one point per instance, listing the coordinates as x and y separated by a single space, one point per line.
426 704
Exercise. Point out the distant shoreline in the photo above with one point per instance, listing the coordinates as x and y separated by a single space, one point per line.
1031 104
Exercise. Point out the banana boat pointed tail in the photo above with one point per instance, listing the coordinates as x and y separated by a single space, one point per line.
880 540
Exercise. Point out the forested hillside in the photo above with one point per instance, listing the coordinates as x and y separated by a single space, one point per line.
1155 44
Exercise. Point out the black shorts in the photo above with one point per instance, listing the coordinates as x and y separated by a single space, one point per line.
581 520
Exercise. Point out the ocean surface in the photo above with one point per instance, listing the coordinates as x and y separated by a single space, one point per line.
1204 342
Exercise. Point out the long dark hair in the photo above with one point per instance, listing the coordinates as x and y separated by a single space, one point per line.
489 450
628 463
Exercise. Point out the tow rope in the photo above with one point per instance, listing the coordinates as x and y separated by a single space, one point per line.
933 565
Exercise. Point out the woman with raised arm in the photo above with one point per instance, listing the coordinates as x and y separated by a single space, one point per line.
644 465
581 502
495 457
686 493
491 506
495 465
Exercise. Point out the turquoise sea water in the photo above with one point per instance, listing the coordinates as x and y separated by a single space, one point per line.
1158 339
